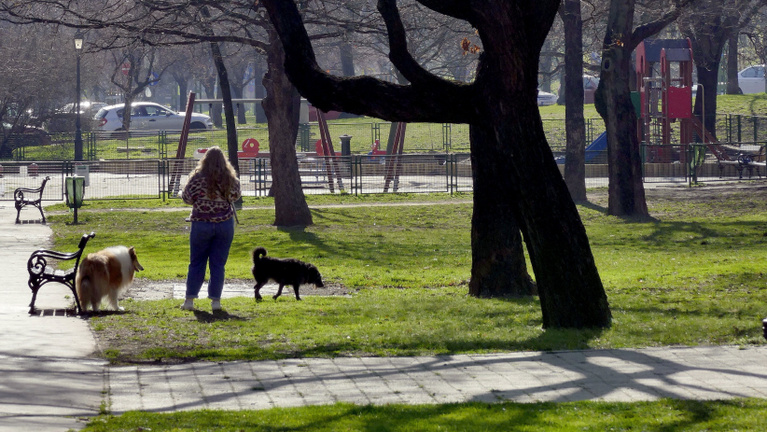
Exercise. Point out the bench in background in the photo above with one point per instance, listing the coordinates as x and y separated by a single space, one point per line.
29 196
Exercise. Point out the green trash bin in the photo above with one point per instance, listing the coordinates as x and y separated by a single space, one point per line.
74 189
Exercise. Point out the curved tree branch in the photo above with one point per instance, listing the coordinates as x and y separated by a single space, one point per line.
426 100
644 31
399 54
459 9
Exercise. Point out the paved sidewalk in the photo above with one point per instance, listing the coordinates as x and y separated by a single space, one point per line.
48 381
52 382
607 375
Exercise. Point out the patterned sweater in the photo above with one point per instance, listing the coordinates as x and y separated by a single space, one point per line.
205 209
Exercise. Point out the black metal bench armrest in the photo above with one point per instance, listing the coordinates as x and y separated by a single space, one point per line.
38 190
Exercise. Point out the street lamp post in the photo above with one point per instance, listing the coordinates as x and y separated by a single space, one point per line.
78 131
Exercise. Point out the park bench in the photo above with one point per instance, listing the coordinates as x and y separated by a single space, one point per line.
41 272
29 196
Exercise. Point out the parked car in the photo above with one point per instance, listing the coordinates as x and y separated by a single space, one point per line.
148 116
546 98
25 135
751 79
64 119
86 107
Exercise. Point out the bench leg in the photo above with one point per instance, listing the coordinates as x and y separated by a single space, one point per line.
34 297
77 299
40 207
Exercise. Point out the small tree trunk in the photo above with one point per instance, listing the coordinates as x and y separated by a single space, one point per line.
732 64
708 78
575 162
231 128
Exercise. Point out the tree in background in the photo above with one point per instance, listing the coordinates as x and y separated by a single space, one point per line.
613 102
710 25
179 23
27 87
575 162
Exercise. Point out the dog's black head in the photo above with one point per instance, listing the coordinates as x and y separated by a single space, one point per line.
314 277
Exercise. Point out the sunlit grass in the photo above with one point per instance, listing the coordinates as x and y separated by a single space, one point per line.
664 415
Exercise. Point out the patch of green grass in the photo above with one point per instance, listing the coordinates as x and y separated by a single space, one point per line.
358 246
377 322
664 415
265 202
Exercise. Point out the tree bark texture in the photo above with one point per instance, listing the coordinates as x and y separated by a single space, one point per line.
626 195
575 156
281 107
518 182
498 259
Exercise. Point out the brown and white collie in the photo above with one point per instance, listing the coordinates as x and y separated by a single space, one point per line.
104 274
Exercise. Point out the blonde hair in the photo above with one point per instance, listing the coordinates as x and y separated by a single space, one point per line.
217 170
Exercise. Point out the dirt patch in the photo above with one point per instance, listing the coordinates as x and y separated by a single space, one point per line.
144 289
717 197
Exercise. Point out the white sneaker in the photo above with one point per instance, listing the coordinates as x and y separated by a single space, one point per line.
188 304
215 305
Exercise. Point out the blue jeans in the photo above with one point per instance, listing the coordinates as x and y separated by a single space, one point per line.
209 242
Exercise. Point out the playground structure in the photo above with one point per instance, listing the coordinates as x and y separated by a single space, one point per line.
392 171
664 91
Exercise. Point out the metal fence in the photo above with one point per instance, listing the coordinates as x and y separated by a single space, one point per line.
356 174
166 178
419 138
142 166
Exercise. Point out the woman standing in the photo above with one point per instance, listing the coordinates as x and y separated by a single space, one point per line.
212 188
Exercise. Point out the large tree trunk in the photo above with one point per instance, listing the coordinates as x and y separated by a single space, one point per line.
575 161
514 153
282 111
626 195
527 177
498 260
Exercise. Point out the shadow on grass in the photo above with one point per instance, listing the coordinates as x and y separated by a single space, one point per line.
220 315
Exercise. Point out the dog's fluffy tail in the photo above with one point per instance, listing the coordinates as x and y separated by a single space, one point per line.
84 285
258 253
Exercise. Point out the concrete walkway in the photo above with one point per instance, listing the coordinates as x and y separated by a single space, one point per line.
53 382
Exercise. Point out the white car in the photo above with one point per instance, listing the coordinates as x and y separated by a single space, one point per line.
148 116
546 98
751 79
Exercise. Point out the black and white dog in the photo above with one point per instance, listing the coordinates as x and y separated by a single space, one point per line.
283 272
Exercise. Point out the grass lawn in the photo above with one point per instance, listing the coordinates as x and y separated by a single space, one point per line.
666 415
692 275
